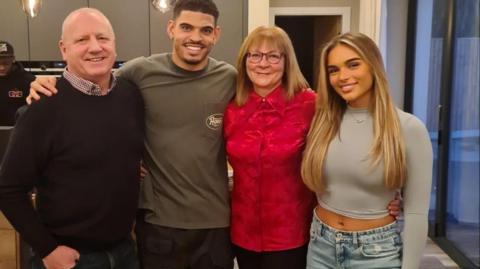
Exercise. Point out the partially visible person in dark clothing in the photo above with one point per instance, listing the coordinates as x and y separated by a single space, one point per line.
14 84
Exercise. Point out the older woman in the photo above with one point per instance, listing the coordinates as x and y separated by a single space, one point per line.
360 150
265 130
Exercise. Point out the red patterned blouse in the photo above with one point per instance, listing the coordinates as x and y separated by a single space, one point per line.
271 207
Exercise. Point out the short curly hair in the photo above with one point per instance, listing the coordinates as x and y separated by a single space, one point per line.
204 6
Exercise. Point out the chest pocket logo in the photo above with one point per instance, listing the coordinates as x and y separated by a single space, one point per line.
214 121
15 94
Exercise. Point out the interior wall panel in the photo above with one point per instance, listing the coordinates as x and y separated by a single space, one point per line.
14 28
140 29
45 29
130 21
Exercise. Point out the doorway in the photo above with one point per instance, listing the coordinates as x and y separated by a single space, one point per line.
309 29
308 35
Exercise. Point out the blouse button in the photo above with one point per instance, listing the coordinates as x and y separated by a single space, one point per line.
263 100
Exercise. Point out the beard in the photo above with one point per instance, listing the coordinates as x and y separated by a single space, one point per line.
196 59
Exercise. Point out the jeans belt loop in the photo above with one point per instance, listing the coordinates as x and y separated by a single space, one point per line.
322 228
355 239
313 230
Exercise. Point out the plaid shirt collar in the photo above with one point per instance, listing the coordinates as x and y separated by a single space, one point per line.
87 87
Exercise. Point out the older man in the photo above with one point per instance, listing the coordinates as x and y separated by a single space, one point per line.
81 150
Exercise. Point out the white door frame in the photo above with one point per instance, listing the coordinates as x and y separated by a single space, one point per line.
344 12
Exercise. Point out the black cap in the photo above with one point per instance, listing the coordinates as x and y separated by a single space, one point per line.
6 50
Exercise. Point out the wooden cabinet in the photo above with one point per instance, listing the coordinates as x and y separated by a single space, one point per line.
9 246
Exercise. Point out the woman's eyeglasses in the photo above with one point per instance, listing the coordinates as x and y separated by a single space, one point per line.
272 57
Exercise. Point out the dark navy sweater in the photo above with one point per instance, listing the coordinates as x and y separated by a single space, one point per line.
82 154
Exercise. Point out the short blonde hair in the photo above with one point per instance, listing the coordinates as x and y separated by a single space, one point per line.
292 79
388 143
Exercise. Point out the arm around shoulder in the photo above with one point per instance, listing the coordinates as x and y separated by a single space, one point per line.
42 85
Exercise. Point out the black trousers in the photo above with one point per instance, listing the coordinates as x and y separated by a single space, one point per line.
286 259
162 247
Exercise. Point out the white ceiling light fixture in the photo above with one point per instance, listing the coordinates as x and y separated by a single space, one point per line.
163 5
31 7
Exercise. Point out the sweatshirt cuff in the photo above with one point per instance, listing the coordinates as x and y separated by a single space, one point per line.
46 247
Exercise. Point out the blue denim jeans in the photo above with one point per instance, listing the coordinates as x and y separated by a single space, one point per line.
121 256
375 248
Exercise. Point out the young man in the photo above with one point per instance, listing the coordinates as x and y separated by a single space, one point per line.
185 195
14 84
81 150
185 221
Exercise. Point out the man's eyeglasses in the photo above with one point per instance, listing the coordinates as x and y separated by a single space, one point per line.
272 57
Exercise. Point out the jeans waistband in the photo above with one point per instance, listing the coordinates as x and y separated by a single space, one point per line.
364 236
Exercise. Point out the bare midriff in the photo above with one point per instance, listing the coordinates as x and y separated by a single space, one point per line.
345 223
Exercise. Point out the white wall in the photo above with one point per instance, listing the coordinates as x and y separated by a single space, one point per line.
257 13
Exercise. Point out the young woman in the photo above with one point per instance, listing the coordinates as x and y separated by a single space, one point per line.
360 150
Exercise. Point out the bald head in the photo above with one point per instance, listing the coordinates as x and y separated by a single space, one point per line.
88 45
84 13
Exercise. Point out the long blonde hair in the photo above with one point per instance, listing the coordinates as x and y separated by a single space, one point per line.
292 79
388 143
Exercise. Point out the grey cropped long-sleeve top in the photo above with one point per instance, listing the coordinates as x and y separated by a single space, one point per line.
356 189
